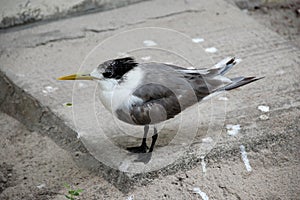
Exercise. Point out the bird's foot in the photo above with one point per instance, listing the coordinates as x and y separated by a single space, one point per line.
144 157
139 149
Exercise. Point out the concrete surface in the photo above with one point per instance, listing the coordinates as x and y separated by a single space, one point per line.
33 167
281 16
31 59
18 12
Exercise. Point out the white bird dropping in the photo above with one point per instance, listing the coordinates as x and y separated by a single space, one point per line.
146 58
245 158
41 186
203 164
223 99
202 194
197 40
149 43
211 50
232 130
49 89
264 108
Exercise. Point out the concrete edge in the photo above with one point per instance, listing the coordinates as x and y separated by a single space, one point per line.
33 15
17 103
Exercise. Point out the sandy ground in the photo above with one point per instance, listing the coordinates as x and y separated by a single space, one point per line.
32 166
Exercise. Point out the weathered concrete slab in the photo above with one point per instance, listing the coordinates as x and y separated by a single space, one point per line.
33 166
33 58
18 12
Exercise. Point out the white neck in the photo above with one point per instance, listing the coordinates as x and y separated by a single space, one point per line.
113 94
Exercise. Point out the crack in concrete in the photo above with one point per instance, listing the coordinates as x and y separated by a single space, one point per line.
95 30
177 13
28 15
55 40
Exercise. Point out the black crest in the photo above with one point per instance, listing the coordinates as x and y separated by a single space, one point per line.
118 67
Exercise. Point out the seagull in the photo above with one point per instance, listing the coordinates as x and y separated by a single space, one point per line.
146 94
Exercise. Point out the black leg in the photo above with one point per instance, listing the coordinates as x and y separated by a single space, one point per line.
143 148
146 129
154 138
146 157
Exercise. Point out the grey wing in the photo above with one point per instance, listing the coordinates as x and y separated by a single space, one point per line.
165 92
183 82
169 89
159 104
201 81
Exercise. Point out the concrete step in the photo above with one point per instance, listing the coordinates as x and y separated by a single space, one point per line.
33 57
18 12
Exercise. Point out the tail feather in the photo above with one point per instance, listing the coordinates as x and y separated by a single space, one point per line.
240 81
226 64
215 79
222 68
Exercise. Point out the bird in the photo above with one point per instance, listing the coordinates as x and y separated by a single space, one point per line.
146 94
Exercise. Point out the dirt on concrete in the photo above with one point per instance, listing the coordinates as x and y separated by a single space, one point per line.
281 16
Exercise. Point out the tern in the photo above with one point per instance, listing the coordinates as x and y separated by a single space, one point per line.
149 93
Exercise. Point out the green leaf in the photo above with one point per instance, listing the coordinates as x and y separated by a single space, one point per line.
76 194
67 197
71 192
79 190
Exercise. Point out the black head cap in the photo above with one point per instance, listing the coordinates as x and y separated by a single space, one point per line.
118 67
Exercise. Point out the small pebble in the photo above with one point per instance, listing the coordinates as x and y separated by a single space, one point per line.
41 186
4 180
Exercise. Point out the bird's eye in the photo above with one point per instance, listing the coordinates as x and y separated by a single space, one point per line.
107 74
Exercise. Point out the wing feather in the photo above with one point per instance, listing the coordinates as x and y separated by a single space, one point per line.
159 104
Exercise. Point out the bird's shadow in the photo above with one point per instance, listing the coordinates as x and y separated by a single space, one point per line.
144 157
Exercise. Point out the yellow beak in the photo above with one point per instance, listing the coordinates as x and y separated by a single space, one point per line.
77 77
